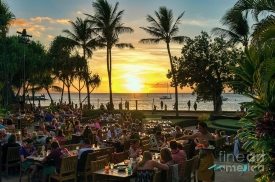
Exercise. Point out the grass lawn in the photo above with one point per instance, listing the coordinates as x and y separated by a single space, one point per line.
229 122
210 125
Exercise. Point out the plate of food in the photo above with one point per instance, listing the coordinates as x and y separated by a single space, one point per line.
209 147
121 168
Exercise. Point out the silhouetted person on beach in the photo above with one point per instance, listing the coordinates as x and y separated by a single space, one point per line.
189 105
195 106
161 105
165 108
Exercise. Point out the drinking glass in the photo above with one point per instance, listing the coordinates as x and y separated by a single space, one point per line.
106 169
156 155
112 166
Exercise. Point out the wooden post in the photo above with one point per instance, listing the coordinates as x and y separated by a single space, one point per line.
1 160
136 105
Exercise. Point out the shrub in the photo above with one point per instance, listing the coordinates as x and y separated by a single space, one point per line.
204 117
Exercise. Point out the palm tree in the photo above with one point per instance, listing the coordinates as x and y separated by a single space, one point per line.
163 29
6 19
107 25
264 29
238 28
81 37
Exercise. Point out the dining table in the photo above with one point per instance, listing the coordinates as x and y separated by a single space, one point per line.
116 173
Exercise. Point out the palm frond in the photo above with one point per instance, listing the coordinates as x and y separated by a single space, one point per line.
124 45
150 41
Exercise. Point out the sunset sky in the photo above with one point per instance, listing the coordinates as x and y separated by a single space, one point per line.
143 69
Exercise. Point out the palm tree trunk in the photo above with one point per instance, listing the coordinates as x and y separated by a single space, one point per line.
5 90
87 79
61 100
109 76
174 78
110 81
69 94
49 95
79 95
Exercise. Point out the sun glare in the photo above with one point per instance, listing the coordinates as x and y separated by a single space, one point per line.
133 83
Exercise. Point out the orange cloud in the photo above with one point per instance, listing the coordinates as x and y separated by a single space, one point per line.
21 22
39 19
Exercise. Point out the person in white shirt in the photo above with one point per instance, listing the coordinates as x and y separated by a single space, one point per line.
196 130
86 146
111 133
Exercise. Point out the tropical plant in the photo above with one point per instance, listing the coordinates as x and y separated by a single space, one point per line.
82 37
258 71
237 31
263 29
204 117
107 25
6 19
163 29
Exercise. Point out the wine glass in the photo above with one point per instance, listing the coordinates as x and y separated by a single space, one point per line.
112 166
156 156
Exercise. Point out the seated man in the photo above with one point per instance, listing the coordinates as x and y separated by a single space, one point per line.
179 156
134 134
83 153
57 153
111 133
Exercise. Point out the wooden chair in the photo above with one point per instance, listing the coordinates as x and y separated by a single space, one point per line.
66 142
67 170
99 157
157 177
222 143
170 172
188 170
109 152
66 146
24 122
97 165
87 169
12 159
187 149
146 148
230 144
127 145
28 174
119 157
10 130
92 138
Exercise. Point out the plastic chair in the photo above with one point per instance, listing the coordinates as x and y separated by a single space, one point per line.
67 170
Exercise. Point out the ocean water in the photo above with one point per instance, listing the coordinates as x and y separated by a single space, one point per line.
147 101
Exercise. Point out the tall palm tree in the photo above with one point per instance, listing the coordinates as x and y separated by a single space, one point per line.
237 31
81 37
264 29
163 29
107 25
6 19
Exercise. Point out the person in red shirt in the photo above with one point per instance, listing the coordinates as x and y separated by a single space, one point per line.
179 156
56 155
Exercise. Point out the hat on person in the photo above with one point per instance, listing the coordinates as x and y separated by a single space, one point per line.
28 141
48 139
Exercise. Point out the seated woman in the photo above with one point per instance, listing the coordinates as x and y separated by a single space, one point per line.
97 125
99 137
10 124
67 129
165 158
26 151
91 124
54 124
135 150
25 133
35 138
145 168
42 130
217 134
86 132
60 136
77 128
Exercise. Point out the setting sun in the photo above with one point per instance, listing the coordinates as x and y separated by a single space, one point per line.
133 83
